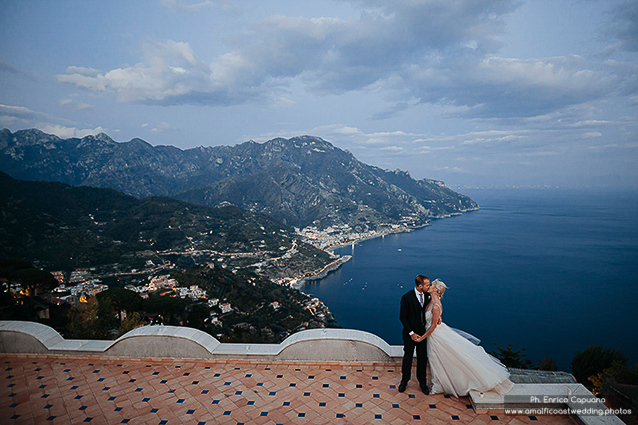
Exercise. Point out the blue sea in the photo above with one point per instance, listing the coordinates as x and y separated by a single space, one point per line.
549 270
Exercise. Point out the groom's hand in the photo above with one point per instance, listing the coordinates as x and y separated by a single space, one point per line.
415 337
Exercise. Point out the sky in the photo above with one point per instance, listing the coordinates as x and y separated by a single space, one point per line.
476 93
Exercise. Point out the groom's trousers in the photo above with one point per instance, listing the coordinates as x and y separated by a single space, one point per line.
422 360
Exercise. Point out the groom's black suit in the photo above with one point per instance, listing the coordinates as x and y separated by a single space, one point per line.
412 317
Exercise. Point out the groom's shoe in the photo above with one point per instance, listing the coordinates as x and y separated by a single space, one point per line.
425 389
403 386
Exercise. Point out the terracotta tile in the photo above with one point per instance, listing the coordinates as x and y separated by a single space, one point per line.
185 381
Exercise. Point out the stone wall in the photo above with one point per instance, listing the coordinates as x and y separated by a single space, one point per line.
338 345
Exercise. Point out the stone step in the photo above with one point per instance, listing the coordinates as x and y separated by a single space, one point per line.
545 399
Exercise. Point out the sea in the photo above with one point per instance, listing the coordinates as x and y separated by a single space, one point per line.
549 271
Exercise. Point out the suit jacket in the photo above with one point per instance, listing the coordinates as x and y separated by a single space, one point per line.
412 315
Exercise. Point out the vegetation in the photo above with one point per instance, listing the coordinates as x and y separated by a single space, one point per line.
34 281
123 300
132 321
61 227
511 358
604 371
91 320
253 318
169 309
301 181
619 372
546 364
594 360
261 310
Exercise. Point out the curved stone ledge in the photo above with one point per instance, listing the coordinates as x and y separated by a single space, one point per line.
27 337
164 341
338 345
335 345
148 341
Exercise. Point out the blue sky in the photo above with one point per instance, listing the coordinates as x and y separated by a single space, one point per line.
471 92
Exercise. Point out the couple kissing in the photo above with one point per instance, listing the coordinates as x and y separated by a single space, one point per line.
458 364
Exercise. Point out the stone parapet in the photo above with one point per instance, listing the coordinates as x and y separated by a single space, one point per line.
338 345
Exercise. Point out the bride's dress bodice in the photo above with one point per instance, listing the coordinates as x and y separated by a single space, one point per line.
428 318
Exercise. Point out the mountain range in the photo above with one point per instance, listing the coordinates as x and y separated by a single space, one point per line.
302 181
65 227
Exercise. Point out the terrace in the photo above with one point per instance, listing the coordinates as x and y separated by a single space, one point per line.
171 375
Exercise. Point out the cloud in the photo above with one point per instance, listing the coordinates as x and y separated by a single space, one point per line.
163 127
453 170
348 137
67 132
184 6
5 67
77 106
393 148
624 25
10 69
508 87
21 117
328 55
351 136
169 74
436 52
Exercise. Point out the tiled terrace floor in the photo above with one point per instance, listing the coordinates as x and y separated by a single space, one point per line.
70 390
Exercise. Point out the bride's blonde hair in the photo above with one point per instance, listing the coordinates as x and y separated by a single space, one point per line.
440 287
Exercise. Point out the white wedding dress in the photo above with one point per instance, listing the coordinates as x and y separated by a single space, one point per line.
457 366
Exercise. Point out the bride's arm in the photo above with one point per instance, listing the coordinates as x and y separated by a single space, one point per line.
436 319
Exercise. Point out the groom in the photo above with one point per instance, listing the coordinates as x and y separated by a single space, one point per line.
412 317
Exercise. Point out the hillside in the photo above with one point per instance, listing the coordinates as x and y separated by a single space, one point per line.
301 181
56 225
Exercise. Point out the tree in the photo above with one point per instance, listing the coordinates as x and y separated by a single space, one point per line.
546 364
91 320
10 265
197 314
133 320
34 280
511 358
594 360
122 299
168 307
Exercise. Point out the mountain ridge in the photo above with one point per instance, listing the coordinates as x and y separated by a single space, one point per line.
302 181
58 225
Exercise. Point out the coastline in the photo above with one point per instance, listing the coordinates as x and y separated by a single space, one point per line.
521 240
323 272
376 235
342 260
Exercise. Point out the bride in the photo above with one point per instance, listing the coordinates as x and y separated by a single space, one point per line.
457 365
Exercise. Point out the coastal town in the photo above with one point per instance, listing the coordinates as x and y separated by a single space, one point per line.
338 235
88 282
80 285
165 274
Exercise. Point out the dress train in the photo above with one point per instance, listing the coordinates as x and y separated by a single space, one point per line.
458 366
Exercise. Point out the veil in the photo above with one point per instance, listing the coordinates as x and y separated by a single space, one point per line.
474 340
439 284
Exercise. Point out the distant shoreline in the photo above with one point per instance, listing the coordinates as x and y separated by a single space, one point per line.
335 265
323 272
342 260
377 235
